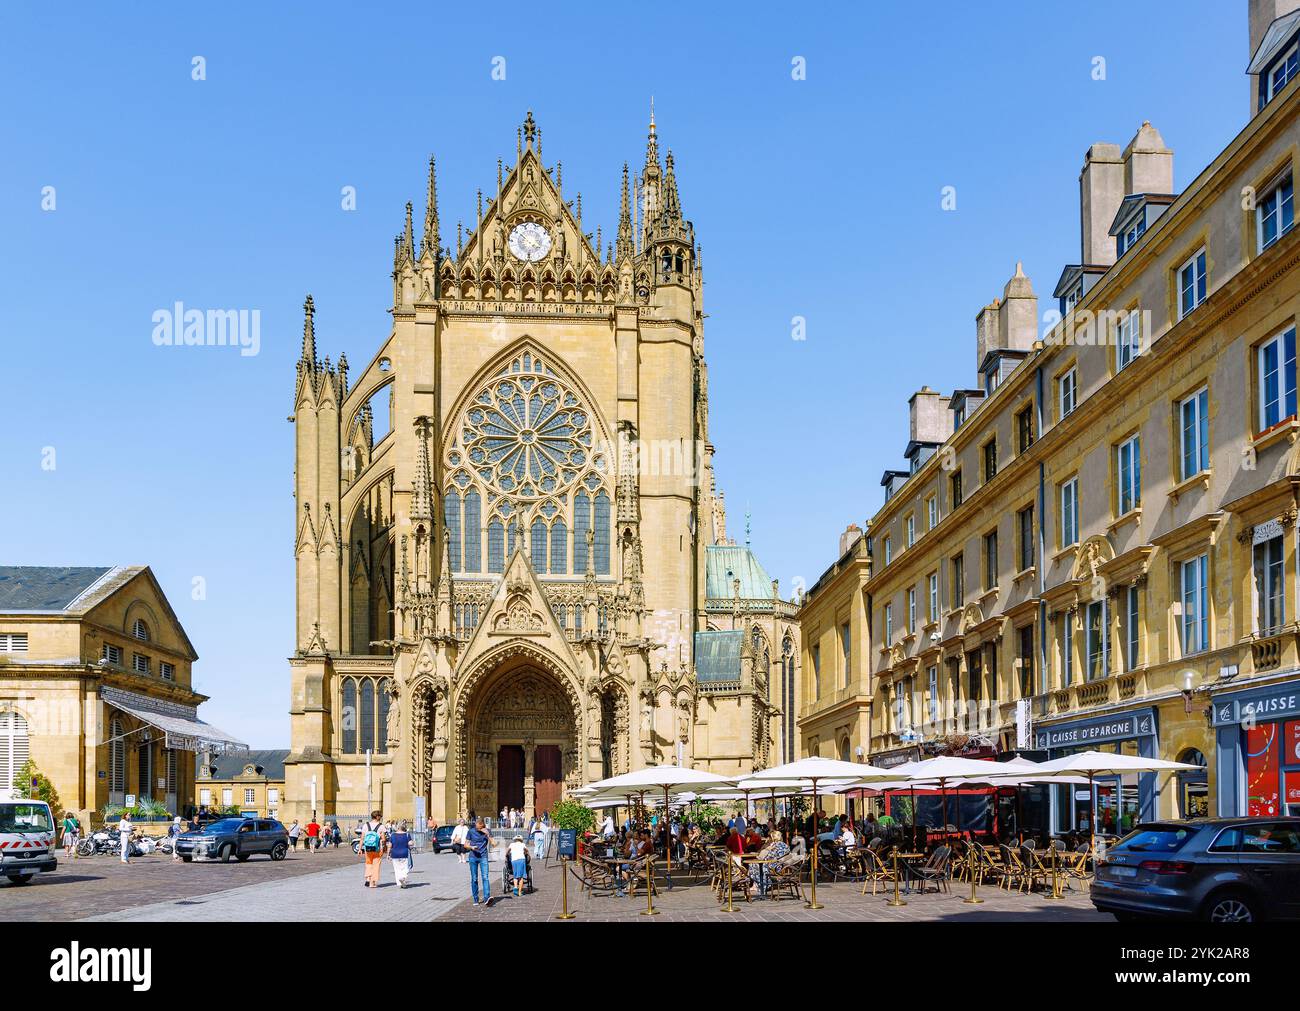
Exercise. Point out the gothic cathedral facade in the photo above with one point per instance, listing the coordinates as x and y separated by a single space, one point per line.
513 574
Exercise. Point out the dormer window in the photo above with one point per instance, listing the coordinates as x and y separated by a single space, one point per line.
1131 232
1073 297
1279 75
958 417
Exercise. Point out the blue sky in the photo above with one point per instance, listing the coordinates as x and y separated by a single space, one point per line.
817 198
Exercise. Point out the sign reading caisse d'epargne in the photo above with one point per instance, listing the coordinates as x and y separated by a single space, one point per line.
568 843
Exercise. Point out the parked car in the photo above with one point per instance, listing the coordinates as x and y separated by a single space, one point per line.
1224 870
238 838
442 838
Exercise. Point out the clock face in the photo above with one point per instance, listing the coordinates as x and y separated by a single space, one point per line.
530 241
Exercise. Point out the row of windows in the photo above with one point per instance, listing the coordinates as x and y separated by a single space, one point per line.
364 723
548 541
140 663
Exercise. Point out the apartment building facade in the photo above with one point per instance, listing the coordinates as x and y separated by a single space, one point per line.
1096 547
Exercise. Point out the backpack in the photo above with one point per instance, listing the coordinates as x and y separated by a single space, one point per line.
370 841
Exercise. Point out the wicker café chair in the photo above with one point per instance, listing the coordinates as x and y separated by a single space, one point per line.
595 877
877 872
785 876
935 869
1014 872
636 876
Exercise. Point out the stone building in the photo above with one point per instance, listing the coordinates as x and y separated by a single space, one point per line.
252 781
95 687
1096 546
505 523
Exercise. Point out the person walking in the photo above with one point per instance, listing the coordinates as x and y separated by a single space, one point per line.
538 832
399 852
458 835
479 845
124 835
174 833
295 830
71 830
518 857
373 843
313 835
336 836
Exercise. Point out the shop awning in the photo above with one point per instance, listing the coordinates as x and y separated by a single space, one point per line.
181 727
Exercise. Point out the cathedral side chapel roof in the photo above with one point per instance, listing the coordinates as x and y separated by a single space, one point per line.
717 655
725 563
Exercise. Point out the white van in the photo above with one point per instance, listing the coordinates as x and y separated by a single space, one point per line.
26 838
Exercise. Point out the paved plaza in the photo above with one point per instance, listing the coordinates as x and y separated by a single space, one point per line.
327 888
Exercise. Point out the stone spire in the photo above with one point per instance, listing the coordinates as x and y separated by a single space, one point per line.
422 489
650 174
431 241
624 248
672 203
309 332
408 238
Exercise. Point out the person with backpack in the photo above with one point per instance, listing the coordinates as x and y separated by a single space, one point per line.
478 846
374 841
399 852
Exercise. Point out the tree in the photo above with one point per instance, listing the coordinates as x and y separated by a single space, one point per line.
569 813
43 790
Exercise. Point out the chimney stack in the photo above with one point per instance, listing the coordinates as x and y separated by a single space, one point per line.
1101 190
1009 323
1148 164
930 419
847 539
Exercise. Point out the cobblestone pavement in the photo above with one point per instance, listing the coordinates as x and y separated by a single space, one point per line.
843 901
433 889
87 886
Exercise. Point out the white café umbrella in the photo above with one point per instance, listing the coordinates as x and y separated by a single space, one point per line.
665 777
945 769
819 770
1098 763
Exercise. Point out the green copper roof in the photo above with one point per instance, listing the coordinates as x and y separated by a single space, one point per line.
727 562
717 655
44 587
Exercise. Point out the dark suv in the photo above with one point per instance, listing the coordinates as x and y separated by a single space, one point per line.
239 838
442 837
1225 870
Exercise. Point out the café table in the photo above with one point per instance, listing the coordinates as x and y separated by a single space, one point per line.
907 864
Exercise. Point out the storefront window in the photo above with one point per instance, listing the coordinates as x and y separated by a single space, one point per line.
1263 763
1193 787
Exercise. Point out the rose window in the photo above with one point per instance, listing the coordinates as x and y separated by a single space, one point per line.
528 435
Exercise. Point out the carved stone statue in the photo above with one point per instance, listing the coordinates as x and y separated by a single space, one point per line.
393 730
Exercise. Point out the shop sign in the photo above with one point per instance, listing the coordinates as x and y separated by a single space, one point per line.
895 758
1273 703
1081 733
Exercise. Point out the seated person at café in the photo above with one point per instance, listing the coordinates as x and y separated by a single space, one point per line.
774 849
735 843
753 841
847 838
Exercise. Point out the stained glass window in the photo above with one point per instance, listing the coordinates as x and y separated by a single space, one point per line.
581 524
559 548
349 716
601 544
381 738
451 509
473 531
496 546
538 548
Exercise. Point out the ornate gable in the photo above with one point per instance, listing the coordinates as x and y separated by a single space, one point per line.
519 609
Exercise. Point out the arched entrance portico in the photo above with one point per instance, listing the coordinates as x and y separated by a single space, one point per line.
521 740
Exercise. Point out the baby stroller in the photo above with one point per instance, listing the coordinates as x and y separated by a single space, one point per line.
508 875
